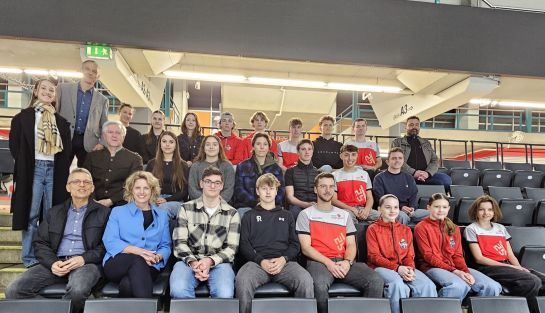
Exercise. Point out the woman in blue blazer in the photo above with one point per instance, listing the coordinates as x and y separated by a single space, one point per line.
137 238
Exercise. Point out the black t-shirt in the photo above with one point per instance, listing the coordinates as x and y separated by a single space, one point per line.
148 218
416 159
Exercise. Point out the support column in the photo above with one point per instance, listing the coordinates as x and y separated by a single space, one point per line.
469 119
179 96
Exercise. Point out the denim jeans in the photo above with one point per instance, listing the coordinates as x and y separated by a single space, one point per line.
221 281
395 288
42 200
419 214
452 286
438 179
80 282
171 207
243 210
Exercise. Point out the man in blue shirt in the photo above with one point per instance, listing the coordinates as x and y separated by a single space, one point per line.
68 246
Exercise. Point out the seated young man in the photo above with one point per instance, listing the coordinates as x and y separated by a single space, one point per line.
327 237
368 151
205 242
287 149
326 148
299 180
233 146
354 188
269 243
402 185
68 246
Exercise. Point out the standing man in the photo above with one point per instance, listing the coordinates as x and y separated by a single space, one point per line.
259 121
368 151
287 149
270 246
68 246
132 139
354 188
326 149
205 242
327 237
402 185
300 180
420 158
233 146
111 166
86 109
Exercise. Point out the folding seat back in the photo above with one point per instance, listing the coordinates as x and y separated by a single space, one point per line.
464 195
516 210
541 304
525 236
425 192
533 257
524 179
518 166
537 195
459 192
204 305
499 193
500 178
355 304
121 305
464 176
539 167
488 165
450 164
499 305
33 305
419 305
286 305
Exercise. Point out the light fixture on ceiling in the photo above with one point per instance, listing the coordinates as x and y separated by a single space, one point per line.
361 87
66 74
286 82
10 70
508 103
39 72
224 78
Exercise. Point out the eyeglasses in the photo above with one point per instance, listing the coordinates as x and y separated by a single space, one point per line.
79 182
209 183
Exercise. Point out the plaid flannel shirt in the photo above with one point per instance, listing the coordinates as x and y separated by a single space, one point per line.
198 236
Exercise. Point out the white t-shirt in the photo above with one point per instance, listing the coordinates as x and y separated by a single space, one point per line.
210 211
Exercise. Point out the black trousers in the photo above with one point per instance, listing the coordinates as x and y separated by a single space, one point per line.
78 150
134 276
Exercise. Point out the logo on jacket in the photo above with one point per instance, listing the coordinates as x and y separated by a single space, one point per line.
452 242
228 147
281 219
258 218
403 244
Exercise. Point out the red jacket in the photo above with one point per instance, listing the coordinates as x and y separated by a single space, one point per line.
248 146
438 249
233 147
389 245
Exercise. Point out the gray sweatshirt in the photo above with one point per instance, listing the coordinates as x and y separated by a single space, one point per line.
195 173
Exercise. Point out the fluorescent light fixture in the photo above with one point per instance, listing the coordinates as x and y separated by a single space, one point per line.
508 103
10 70
37 72
66 74
286 82
206 76
359 87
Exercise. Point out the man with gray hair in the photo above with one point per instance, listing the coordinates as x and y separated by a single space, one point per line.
112 165
85 108
232 144
68 245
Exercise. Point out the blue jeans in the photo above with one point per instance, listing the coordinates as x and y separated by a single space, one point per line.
171 207
221 281
395 288
452 286
42 200
438 179
419 214
243 210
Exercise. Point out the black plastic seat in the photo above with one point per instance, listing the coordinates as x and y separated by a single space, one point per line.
272 305
541 304
54 291
266 291
499 305
425 192
525 236
204 306
516 210
537 195
419 305
533 257
35 305
539 167
121 305
499 178
487 165
464 176
355 304
450 164
464 197
343 290
518 166
160 287
533 179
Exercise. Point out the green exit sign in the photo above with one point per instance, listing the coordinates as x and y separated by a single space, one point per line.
98 52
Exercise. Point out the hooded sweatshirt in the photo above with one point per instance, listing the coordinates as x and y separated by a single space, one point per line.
389 245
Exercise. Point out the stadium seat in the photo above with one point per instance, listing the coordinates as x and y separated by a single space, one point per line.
487 165
533 257
500 178
538 196
541 304
450 164
518 166
464 197
498 305
419 305
55 291
160 287
34 305
204 305
361 242
443 170
121 305
516 210
266 291
531 179
343 290
539 167
425 192
6 167
525 236
464 176
350 305
272 305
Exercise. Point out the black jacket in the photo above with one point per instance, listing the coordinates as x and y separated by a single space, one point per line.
301 177
51 230
266 234
189 148
148 146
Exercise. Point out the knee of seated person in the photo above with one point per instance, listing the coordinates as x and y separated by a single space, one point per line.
225 291
403 218
12 290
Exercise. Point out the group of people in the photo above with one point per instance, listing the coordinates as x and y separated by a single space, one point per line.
267 203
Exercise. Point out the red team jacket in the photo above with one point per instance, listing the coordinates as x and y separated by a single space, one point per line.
389 245
247 142
233 147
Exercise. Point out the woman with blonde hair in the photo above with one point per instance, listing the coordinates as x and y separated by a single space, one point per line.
137 238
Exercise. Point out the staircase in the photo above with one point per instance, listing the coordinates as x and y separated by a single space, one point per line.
10 248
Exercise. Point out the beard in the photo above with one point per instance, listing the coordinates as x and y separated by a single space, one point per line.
412 132
325 199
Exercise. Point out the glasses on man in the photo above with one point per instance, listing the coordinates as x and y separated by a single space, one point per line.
84 182
210 183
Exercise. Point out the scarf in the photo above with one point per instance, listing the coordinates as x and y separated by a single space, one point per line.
49 139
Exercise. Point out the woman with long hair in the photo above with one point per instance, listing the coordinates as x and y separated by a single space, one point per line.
440 245
172 173
149 141
39 141
211 154
137 238
191 137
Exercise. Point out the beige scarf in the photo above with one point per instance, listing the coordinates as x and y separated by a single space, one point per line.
49 139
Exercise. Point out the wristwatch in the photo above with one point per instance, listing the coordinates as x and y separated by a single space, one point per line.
351 262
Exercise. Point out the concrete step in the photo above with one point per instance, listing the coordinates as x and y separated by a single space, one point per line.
8 273
10 254
8 236
5 219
